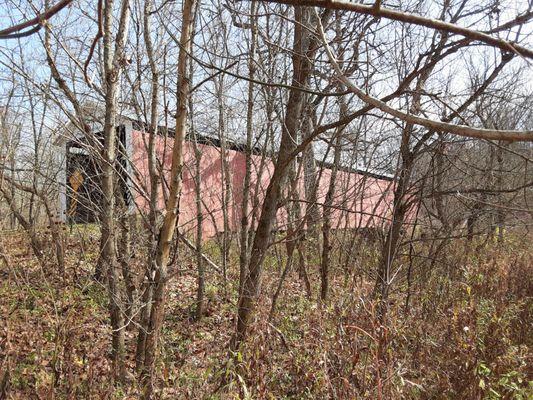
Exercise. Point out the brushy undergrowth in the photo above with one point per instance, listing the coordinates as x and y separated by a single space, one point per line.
465 333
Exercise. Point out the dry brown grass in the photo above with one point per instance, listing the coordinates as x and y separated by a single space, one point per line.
466 335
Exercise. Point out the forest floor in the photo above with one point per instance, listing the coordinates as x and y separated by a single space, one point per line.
465 334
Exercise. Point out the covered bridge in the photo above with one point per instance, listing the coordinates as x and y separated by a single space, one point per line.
363 199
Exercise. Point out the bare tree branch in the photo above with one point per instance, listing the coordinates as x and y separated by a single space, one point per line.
460 130
417 20
11 33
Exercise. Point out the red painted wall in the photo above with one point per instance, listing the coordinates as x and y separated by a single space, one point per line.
360 200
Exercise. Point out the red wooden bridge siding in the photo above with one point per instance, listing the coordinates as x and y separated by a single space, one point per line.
360 200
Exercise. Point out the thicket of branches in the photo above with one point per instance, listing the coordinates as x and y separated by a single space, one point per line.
428 294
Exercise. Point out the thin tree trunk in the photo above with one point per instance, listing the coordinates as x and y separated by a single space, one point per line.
400 202
124 258
166 232
311 179
112 72
226 177
326 224
303 53
302 271
328 202
293 216
388 251
155 181
500 213
200 291
243 256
